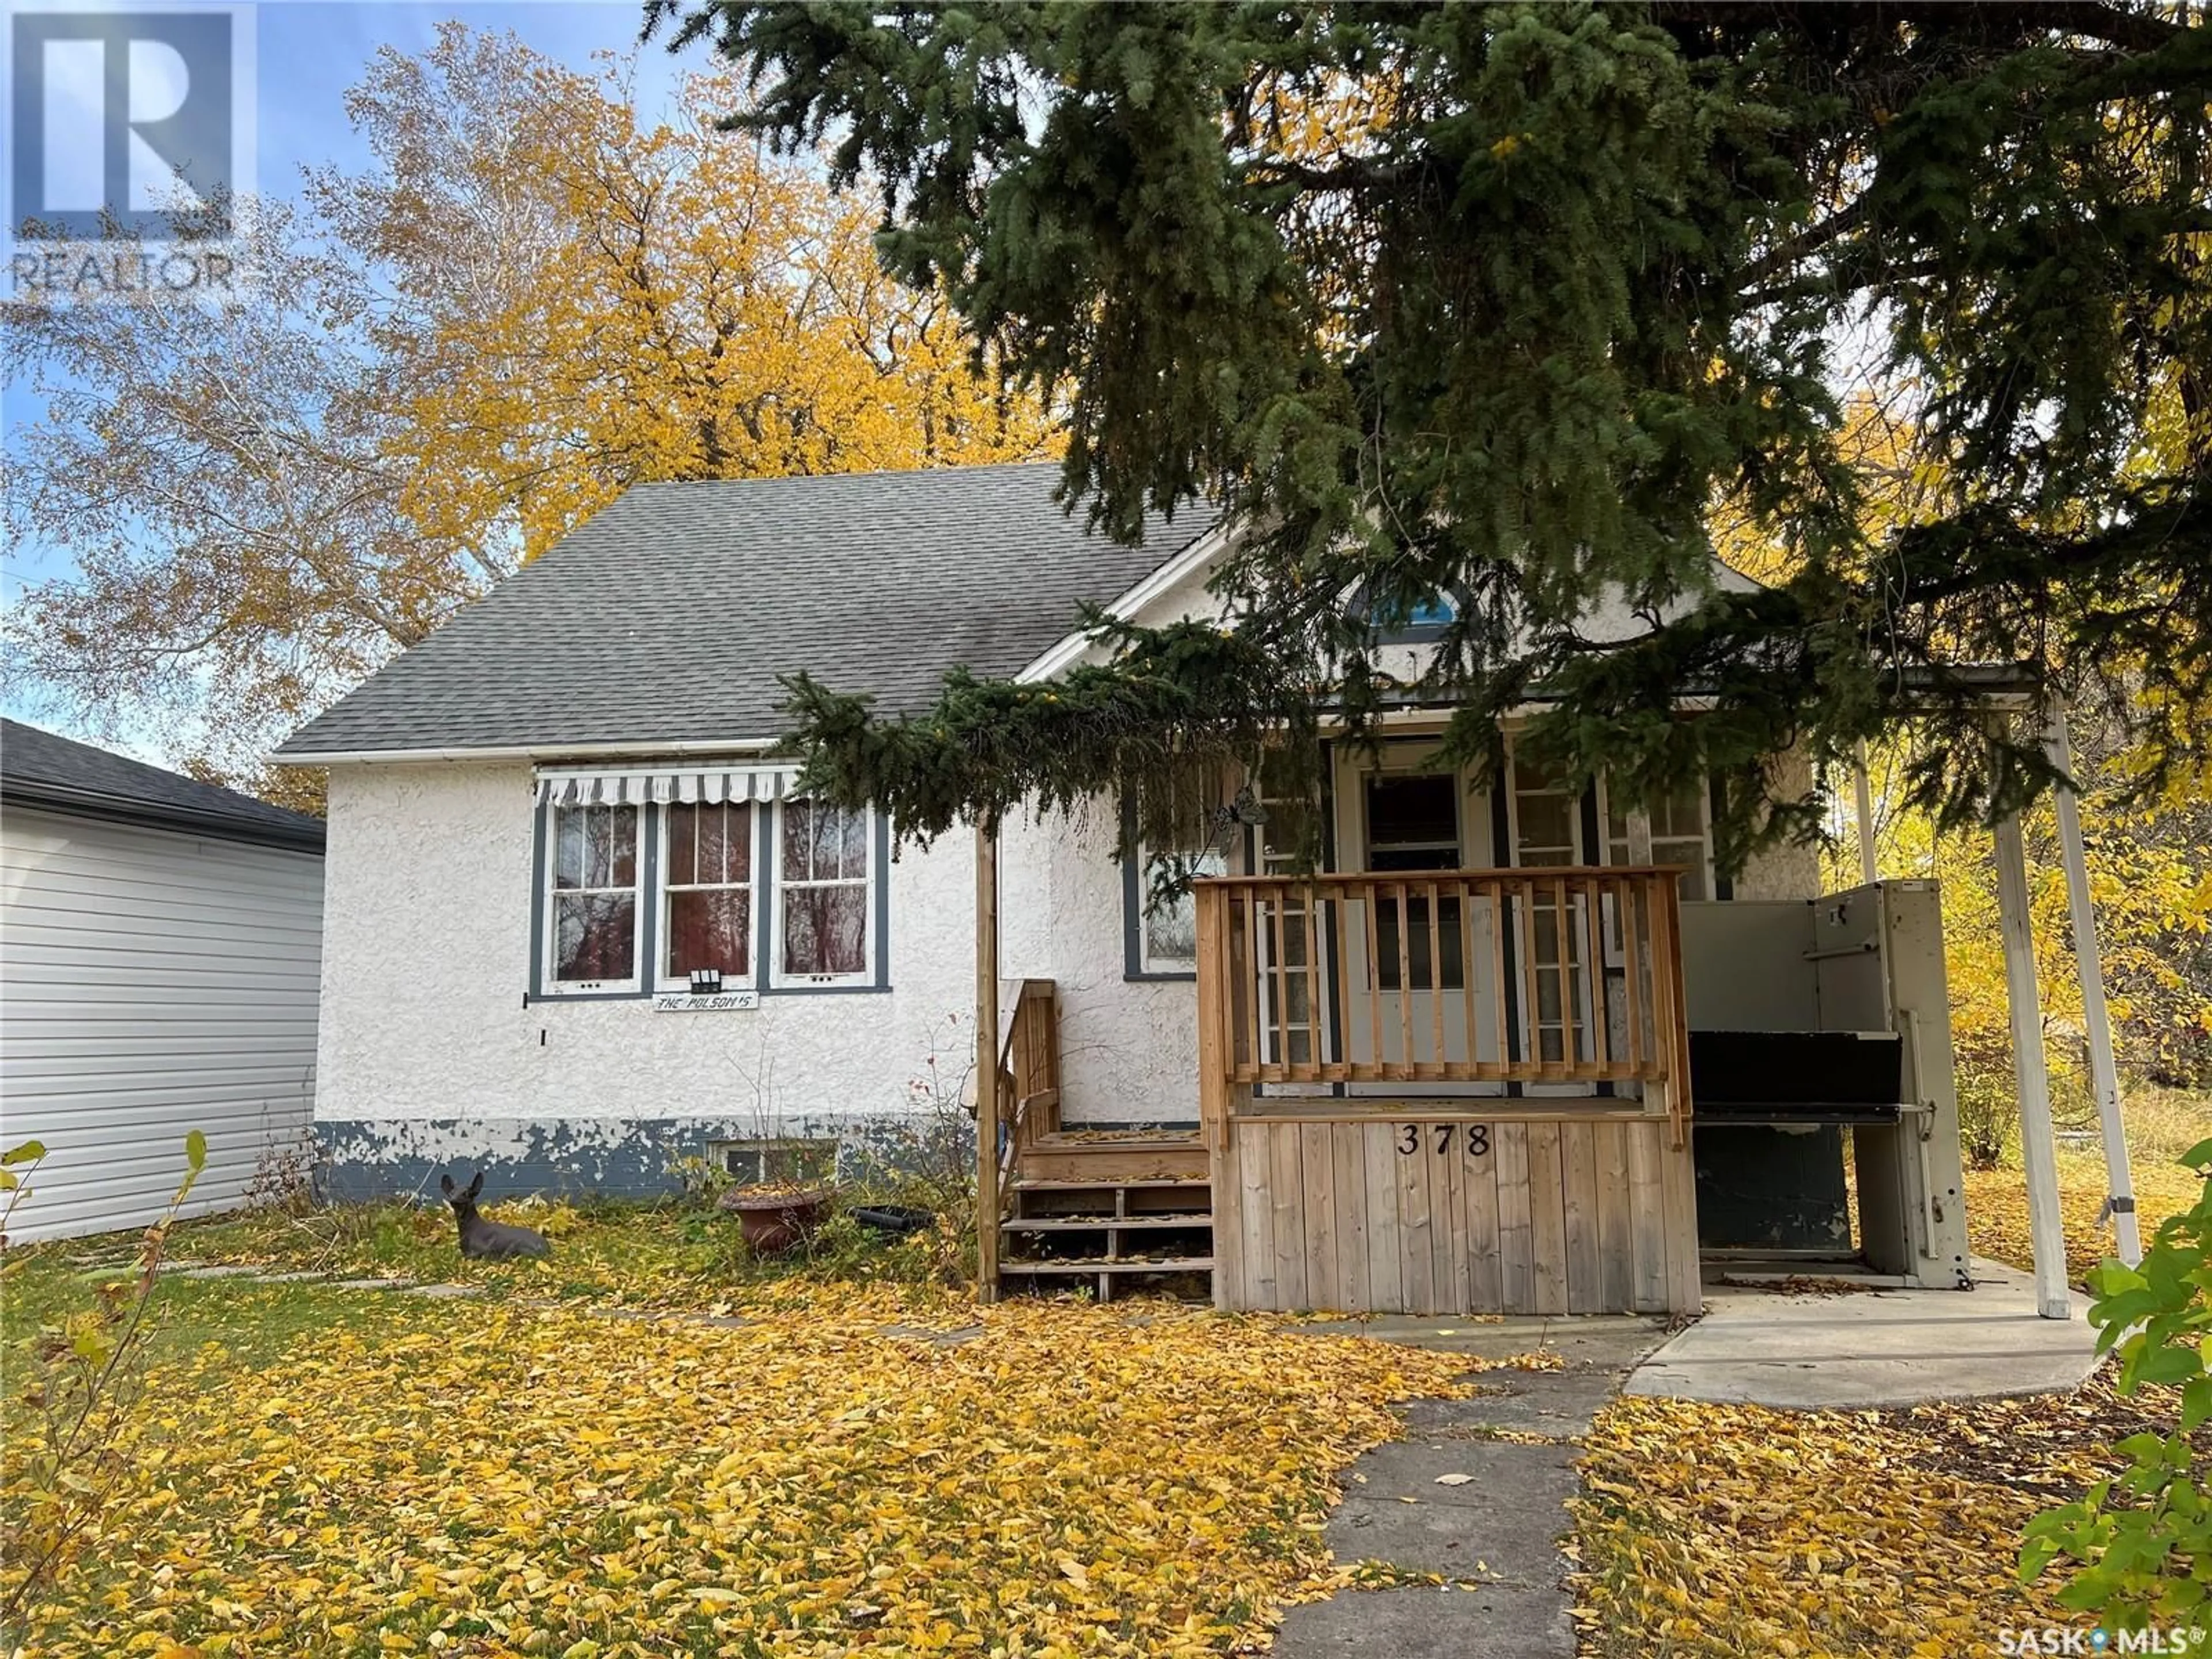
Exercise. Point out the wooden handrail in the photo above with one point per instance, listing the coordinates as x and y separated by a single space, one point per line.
1565 974
1029 1063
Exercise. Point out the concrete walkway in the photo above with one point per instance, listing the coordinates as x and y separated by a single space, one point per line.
1494 1535
1866 1348
1477 1493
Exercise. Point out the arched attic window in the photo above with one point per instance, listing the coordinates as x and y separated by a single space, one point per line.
1404 617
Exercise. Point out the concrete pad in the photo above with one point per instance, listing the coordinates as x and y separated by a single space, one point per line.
368 1283
1873 1348
1505 1523
1603 1342
1449 1623
219 1270
1596 1341
1557 1405
439 1292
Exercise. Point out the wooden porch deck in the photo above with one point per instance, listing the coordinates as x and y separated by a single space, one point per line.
1465 1092
1448 1093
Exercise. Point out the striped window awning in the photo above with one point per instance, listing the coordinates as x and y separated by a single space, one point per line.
660 785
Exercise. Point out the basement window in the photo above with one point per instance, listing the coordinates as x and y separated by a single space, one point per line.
775 1159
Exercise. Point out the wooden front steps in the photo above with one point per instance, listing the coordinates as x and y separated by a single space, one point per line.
1108 1155
1119 1208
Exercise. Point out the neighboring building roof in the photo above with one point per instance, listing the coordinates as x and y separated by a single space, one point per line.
667 618
37 769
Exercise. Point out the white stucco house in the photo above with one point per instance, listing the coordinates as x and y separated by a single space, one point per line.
159 951
579 925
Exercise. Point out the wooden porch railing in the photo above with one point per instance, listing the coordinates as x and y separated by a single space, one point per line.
1540 975
1029 1065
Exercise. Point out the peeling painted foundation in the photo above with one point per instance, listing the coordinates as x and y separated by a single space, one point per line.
363 1159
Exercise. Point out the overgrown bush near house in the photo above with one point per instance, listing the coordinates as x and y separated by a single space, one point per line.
1989 1114
2140 1545
284 1175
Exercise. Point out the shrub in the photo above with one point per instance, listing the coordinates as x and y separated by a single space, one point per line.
2141 1543
82 1387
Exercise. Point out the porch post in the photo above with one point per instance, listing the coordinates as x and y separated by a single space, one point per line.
2104 1072
987 1059
2037 1145
1869 862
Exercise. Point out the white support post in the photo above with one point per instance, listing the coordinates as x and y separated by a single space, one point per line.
2104 1071
1870 861
2038 1144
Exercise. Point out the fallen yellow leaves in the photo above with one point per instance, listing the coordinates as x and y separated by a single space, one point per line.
1068 1480
1996 1208
1729 1530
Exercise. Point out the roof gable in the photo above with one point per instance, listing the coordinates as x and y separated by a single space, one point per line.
666 619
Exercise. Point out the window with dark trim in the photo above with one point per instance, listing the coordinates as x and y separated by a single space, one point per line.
592 925
825 924
768 895
707 892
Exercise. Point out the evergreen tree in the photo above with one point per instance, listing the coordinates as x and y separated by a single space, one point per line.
1507 302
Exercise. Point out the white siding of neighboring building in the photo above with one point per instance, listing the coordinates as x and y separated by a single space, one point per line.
152 982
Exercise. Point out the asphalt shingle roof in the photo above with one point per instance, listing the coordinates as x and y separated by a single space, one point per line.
37 769
667 618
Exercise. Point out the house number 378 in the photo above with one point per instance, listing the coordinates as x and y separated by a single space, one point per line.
1476 1140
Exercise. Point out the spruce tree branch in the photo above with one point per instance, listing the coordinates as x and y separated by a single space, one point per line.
2138 31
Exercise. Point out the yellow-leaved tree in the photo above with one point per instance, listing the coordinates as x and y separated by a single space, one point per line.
2150 878
527 299
675 300
2149 856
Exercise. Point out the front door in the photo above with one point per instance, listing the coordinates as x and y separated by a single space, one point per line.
1407 990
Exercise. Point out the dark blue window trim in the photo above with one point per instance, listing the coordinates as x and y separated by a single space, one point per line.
540 822
1716 790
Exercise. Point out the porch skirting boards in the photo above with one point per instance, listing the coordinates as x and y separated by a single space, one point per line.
1454 1215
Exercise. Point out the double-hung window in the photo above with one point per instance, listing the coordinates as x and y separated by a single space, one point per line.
592 935
707 892
825 873
650 879
1163 925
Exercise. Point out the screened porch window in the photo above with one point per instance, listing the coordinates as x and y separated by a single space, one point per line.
593 941
1680 835
823 868
1167 928
1162 927
707 879
1547 830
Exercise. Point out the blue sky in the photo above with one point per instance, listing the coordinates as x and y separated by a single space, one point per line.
311 50
307 53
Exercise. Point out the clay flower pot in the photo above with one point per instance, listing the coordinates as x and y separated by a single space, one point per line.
774 1218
